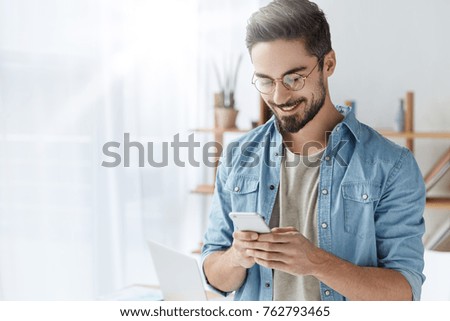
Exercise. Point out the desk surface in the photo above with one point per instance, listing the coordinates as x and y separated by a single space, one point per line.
145 292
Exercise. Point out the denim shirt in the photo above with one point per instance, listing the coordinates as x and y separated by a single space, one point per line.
371 199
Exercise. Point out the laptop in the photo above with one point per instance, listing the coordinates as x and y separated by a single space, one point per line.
178 274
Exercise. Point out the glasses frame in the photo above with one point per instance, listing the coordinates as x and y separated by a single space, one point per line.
274 81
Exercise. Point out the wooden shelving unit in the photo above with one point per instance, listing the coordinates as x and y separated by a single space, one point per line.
437 202
410 135
432 202
264 115
218 139
204 189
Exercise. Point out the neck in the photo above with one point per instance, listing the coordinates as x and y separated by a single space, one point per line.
314 136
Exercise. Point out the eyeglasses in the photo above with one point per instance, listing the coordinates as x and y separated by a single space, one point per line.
292 82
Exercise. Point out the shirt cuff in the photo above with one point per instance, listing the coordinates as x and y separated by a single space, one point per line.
209 286
415 282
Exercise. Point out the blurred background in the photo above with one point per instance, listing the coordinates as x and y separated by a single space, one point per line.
77 74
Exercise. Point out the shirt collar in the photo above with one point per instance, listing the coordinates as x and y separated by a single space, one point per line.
350 121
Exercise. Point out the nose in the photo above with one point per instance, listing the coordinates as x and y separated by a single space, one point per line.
281 94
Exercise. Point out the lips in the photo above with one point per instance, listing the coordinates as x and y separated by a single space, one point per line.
291 107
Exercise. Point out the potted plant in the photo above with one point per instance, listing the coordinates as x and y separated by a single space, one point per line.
225 112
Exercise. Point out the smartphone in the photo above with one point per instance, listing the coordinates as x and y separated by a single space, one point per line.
249 221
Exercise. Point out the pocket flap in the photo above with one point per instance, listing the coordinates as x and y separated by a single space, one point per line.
361 191
242 184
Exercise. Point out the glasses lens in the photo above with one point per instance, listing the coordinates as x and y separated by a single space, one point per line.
293 82
264 85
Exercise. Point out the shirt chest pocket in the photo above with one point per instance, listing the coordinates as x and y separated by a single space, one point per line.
244 192
360 200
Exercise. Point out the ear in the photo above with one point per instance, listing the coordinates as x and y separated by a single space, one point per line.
329 63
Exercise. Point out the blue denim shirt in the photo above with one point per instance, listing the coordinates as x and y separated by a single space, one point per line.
371 199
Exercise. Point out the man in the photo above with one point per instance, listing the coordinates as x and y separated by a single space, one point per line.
344 203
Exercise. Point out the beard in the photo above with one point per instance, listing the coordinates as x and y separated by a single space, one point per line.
295 122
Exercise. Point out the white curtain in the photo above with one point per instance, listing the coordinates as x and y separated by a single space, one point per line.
75 75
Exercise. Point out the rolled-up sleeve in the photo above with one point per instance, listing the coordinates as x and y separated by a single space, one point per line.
400 224
219 232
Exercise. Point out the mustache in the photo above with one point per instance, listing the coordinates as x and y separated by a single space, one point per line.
288 104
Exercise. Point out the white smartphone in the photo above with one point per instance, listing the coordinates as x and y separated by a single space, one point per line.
249 221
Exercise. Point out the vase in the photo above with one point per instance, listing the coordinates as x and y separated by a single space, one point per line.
225 117
399 123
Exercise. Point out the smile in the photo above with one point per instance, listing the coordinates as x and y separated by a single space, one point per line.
290 108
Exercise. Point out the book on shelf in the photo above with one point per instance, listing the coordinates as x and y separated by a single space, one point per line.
440 241
444 244
438 170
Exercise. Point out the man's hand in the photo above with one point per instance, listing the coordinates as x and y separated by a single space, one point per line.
238 250
226 270
284 249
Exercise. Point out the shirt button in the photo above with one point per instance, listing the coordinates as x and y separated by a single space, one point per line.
365 196
272 187
327 158
324 225
327 292
237 189
324 191
276 154
267 284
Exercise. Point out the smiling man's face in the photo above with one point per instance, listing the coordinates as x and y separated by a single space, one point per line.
275 59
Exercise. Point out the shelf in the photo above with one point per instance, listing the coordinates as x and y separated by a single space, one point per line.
437 202
431 135
204 189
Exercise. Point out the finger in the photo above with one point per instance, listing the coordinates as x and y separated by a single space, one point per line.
241 258
284 229
245 236
267 256
275 265
284 237
265 246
